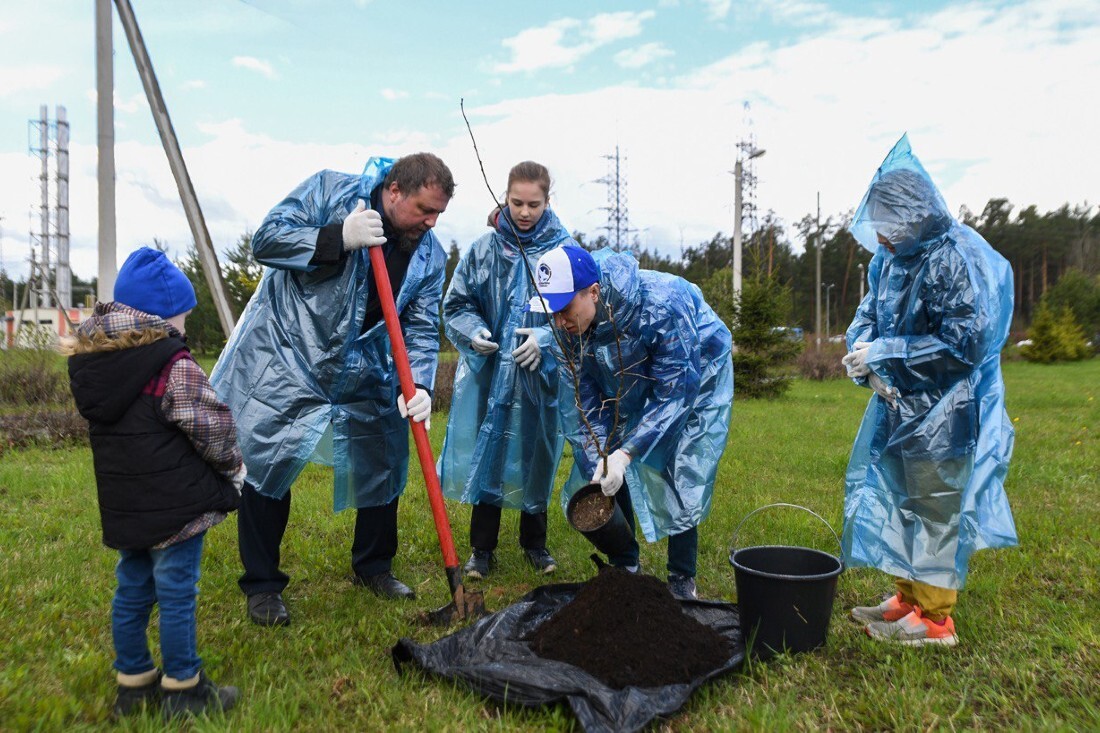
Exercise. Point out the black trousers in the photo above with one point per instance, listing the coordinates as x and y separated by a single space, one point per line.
683 548
262 521
485 528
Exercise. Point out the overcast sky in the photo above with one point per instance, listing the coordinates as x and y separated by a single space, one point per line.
998 98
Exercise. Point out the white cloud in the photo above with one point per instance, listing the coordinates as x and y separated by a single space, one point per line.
800 12
193 84
635 58
717 9
29 78
827 107
996 104
254 64
393 94
135 103
546 46
607 27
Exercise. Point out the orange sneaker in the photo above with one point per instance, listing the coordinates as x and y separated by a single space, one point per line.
914 629
891 609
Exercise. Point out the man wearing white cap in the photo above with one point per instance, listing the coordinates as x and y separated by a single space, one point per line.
655 379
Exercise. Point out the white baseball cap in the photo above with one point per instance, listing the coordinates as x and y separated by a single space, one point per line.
560 274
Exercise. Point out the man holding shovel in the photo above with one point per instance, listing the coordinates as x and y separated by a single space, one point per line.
309 373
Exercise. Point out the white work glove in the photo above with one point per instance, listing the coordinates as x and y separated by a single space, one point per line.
419 408
362 228
528 355
856 359
890 394
481 343
611 471
239 477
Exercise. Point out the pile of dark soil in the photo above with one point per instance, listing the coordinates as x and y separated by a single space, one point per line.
628 631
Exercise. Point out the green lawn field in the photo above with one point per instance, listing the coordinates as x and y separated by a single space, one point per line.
1028 620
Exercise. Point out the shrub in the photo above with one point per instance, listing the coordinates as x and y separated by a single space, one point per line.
823 364
1081 294
1055 336
32 376
51 427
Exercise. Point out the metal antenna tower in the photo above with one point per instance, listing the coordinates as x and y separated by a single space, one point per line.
51 277
618 219
748 153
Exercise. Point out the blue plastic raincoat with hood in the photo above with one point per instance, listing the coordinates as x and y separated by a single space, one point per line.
302 382
657 346
925 483
503 441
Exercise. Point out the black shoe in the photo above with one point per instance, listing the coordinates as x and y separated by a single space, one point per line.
205 697
131 699
268 609
682 587
541 560
386 586
479 564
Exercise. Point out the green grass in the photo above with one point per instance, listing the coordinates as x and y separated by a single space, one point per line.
1028 619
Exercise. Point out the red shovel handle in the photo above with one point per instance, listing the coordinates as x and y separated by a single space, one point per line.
408 388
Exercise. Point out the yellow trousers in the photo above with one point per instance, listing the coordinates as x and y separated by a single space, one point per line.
935 603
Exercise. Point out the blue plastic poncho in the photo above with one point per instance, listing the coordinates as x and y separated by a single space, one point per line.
674 378
503 442
302 382
925 483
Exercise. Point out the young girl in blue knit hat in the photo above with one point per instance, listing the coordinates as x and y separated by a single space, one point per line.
167 469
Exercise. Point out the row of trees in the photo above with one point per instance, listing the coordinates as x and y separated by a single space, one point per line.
1042 249
1055 255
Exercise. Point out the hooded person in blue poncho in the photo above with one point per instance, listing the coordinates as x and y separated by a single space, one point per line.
503 443
655 378
925 483
309 373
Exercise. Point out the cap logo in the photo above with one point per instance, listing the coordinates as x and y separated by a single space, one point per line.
544 274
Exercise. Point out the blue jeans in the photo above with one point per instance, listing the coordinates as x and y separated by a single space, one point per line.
168 578
683 548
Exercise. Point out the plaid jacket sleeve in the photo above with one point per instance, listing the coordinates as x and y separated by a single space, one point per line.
192 405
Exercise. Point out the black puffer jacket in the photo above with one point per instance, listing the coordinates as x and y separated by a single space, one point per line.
150 479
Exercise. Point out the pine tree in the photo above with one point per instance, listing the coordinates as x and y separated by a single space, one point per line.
1055 336
759 344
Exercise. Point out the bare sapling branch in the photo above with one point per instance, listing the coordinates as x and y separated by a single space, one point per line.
570 362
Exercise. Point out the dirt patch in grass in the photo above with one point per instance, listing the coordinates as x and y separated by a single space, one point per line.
629 631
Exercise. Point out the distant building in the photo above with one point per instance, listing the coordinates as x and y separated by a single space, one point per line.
51 319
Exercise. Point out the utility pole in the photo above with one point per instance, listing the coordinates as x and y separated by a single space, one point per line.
171 145
860 266
105 146
738 214
736 243
817 280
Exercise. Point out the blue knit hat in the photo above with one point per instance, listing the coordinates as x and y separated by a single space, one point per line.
150 283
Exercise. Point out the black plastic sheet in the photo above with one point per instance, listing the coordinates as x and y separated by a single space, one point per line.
491 658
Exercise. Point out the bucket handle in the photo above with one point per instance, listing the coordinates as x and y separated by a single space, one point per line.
737 531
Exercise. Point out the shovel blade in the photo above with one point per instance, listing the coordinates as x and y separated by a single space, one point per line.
466 606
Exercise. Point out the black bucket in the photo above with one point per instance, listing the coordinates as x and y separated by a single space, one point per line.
784 593
613 536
